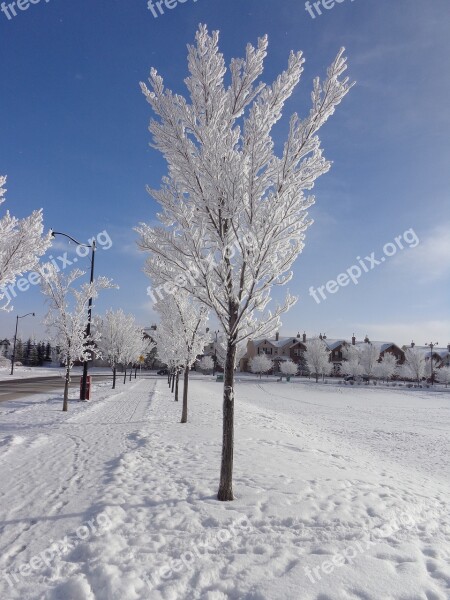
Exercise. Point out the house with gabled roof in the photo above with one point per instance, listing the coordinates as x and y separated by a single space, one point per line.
282 348
337 349
383 348
440 354
277 348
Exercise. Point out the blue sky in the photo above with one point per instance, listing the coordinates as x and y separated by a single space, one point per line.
74 141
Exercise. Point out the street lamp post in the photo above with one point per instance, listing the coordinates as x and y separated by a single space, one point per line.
15 340
88 326
215 353
432 345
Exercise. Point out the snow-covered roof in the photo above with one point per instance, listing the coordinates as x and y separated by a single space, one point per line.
280 343
333 344
441 352
382 346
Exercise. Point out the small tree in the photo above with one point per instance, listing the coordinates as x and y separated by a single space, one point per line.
34 356
181 335
136 344
261 363
387 366
415 364
288 368
352 368
118 332
22 243
302 366
66 319
19 351
369 356
443 375
41 353
206 363
317 358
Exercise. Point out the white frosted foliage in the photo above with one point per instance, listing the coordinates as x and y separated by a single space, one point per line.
22 243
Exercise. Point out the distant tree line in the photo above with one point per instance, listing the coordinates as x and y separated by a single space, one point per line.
33 354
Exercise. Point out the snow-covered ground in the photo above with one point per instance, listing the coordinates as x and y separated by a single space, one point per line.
26 372
341 494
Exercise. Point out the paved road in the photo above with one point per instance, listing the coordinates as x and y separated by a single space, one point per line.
14 389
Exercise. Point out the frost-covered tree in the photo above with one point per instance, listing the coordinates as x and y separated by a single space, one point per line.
136 345
166 352
386 367
233 213
118 332
260 364
288 367
206 363
443 375
352 362
317 358
415 364
361 360
22 243
183 326
369 356
67 316
145 347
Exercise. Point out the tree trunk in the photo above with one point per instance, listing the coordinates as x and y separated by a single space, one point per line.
135 372
226 470
125 375
173 382
169 375
185 395
114 378
131 371
317 377
177 378
66 389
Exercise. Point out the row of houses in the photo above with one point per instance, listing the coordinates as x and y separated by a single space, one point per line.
284 348
293 348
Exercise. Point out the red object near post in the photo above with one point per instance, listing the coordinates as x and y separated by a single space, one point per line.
88 387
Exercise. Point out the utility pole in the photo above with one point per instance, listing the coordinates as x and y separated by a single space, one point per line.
431 345
15 340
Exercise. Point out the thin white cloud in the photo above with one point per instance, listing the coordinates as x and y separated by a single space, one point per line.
429 261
